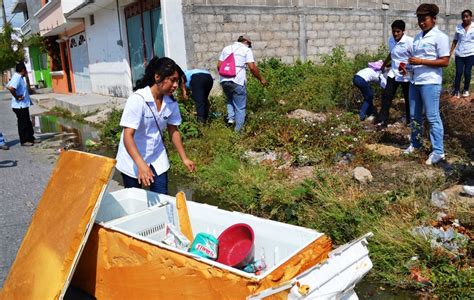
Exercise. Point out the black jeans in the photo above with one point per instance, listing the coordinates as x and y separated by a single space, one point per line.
25 127
463 65
201 85
387 98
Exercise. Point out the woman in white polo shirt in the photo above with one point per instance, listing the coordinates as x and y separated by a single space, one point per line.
142 157
463 42
430 55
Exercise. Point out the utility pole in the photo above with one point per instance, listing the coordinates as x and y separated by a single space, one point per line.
4 15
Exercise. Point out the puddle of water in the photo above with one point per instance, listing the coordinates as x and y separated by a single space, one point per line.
71 133
367 289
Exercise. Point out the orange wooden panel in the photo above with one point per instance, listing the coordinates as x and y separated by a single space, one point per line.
58 228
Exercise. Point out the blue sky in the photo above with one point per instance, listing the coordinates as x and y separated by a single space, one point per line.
17 21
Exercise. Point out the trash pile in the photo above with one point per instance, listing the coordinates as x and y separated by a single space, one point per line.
446 233
234 247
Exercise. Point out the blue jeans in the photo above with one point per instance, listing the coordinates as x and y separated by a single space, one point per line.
236 95
463 65
367 107
426 97
159 184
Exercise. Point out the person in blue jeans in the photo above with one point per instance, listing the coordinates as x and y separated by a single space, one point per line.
430 55
200 83
234 87
142 155
362 80
463 42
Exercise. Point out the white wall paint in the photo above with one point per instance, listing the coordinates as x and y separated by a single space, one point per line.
173 31
108 62
69 5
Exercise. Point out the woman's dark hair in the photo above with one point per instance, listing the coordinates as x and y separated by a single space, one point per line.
20 67
400 24
163 67
466 11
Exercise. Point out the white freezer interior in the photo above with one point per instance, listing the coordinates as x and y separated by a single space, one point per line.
142 213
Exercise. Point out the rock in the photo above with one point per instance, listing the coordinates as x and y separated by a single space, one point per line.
307 116
259 157
362 175
384 150
301 173
439 199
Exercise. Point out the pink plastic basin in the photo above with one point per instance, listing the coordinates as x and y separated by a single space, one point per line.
236 247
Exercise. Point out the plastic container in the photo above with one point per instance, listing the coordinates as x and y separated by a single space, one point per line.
236 246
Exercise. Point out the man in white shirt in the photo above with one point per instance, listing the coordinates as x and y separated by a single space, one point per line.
235 87
401 49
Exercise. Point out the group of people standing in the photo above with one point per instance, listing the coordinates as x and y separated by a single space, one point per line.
416 66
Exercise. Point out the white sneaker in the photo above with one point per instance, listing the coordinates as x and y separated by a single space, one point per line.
434 158
468 189
457 95
466 94
410 150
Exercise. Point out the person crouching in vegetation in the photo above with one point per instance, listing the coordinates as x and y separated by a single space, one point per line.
463 42
401 48
362 80
430 55
142 157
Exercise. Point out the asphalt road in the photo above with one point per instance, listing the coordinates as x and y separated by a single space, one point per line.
24 173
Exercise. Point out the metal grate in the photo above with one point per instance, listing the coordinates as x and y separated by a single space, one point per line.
152 230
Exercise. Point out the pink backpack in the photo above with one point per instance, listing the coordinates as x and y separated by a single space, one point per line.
227 68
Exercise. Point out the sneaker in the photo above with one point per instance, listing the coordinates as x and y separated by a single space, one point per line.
37 141
381 125
410 150
434 158
457 95
466 94
371 118
27 144
468 189
4 147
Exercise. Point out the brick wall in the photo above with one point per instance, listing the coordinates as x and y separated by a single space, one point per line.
301 29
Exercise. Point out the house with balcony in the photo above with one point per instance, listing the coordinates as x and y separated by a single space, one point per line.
36 60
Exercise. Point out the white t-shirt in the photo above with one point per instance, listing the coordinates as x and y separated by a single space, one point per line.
369 75
242 56
465 45
400 52
434 45
139 116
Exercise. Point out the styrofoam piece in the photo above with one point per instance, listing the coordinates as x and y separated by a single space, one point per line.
338 275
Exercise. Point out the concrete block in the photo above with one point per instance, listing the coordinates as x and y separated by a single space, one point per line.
323 18
252 19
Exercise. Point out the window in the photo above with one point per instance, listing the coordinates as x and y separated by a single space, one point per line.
91 20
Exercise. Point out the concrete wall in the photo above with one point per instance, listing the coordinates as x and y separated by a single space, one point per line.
108 61
301 29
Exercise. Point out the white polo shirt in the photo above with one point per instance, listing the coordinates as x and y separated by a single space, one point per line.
434 45
242 56
400 52
369 75
138 116
19 84
465 45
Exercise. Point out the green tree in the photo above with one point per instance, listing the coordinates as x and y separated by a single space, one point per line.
11 50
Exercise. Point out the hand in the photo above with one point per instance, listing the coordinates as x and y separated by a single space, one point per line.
185 96
264 82
189 164
19 98
145 175
415 61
